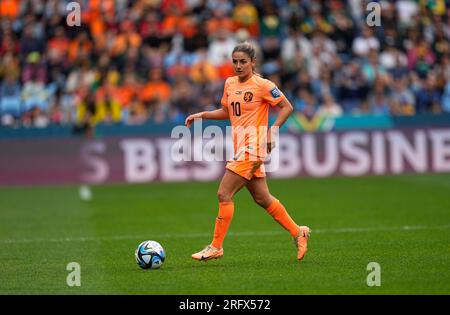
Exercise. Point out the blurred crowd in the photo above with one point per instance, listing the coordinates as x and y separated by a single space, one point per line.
158 60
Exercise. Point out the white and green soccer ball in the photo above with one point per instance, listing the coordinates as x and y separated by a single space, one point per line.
150 255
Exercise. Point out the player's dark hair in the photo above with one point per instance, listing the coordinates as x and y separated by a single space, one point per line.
248 49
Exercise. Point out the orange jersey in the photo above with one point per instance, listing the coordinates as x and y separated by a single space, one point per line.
248 108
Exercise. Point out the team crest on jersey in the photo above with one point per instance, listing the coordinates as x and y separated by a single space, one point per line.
275 92
248 96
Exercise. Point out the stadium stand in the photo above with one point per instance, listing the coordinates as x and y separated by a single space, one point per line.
132 62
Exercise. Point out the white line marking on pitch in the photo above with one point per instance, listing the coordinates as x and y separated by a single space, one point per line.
198 235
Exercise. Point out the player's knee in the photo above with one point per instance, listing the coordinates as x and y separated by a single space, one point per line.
224 196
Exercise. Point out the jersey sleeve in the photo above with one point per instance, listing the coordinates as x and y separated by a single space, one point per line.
224 100
271 93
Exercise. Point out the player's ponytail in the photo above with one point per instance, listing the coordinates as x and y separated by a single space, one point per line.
248 49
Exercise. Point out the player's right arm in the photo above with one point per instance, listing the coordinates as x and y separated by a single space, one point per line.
218 114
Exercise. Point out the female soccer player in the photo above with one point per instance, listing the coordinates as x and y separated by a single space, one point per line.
245 102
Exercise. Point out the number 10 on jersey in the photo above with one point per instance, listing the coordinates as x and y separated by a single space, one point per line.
236 108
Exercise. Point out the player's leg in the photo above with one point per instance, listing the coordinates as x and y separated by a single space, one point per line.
260 192
231 183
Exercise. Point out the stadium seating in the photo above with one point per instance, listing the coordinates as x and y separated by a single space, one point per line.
134 62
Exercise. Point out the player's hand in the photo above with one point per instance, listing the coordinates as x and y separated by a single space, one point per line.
272 136
190 119
270 142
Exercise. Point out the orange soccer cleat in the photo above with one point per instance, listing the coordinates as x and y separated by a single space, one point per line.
209 252
301 241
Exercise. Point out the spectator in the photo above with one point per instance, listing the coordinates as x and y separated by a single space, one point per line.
363 109
150 30
305 103
391 58
245 15
157 89
136 113
30 42
402 99
379 104
58 45
364 43
35 117
108 109
225 6
329 107
34 68
86 110
446 98
323 54
55 113
9 9
184 97
219 53
323 85
270 23
427 97
352 86
406 10
8 45
372 68
343 32
315 21
296 50
81 46
219 20
271 55
420 58
10 102
128 90
202 71
9 66
36 94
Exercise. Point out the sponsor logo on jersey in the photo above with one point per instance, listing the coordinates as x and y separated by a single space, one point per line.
238 92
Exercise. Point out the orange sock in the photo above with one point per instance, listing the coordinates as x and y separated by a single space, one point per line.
279 213
226 210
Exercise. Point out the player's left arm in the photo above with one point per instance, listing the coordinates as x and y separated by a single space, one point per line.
286 110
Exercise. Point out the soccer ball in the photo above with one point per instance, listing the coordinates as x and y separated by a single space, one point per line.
150 255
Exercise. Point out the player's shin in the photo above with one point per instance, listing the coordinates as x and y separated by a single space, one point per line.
279 213
226 210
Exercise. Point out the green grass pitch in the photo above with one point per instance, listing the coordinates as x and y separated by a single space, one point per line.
402 223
